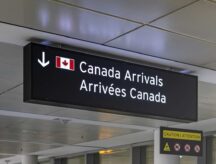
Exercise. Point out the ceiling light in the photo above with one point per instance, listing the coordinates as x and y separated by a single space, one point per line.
185 71
105 152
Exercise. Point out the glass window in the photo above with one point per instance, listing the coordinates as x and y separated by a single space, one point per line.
149 154
116 156
45 162
76 160
212 156
188 160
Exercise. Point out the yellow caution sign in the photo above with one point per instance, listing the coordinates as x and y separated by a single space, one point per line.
166 147
172 134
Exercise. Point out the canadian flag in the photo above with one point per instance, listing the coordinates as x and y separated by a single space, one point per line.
65 63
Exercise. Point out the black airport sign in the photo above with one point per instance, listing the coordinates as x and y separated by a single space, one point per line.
60 77
181 141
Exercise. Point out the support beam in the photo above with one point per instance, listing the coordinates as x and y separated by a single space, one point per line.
29 159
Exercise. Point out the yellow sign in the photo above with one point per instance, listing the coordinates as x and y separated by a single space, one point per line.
166 147
172 134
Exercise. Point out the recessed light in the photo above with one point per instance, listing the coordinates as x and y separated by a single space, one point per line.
103 152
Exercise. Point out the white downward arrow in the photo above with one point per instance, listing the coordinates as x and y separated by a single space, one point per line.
43 63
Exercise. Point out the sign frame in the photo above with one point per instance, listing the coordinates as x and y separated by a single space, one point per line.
28 86
188 141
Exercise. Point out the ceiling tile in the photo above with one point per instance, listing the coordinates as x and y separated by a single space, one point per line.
137 10
53 132
166 45
206 112
65 150
197 20
22 148
206 99
113 118
13 101
211 65
10 66
129 139
63 20
87 115
6 122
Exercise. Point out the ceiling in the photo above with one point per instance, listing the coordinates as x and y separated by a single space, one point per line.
177 35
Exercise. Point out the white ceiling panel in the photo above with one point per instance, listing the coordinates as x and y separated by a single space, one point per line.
207 93
13 101
206 112
87 115
197 20
10 67
206 99
114 118
211 65
154 123
163 44
7 122
122 140
21 36
205 125
22 148
72 22
51 132
137 10
64 151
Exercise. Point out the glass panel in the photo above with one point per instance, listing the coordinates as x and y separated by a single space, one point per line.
45 162
213 160
116 156
76 160
149 154
188 160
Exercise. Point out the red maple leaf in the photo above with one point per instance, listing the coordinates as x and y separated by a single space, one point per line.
65 63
